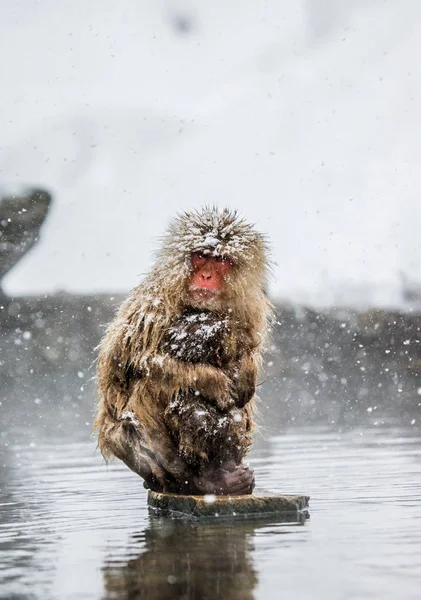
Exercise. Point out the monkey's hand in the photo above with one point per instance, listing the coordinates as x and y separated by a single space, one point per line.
215 387
244 381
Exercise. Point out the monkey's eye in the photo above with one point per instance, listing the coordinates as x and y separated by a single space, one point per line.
224 260
198 259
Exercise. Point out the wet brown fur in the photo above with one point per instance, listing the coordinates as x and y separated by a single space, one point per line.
158 411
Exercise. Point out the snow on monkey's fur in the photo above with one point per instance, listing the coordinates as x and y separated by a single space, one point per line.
152 306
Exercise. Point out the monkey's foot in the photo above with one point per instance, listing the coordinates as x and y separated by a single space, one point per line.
153 485
228 480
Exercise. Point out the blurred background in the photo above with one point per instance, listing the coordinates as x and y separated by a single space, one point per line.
302 115
305 117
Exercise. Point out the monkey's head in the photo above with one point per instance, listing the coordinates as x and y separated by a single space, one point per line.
209 260
220 258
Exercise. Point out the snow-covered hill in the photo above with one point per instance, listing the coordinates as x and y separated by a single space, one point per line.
307 121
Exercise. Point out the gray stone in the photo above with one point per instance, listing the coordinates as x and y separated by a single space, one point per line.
21 218
259 504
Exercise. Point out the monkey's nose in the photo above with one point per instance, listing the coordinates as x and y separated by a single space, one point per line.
206 276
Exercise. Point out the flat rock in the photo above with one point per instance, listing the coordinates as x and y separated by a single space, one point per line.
259 504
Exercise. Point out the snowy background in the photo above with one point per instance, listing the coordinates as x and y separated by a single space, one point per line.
303 115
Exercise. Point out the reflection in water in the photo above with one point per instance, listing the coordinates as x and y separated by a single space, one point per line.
188 560
185 560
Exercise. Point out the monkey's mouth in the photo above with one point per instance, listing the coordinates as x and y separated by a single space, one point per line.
199 293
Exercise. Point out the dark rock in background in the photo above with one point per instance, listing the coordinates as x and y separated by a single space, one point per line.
21 217
335 367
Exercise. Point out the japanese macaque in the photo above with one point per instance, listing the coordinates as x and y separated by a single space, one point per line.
177 368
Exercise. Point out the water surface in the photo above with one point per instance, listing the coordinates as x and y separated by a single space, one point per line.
73 528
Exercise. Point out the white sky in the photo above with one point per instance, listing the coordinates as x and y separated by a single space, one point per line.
315 139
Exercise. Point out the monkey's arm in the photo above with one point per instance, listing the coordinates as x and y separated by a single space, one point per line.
205 380
244 377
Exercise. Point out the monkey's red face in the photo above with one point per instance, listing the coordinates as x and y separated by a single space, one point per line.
209 274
